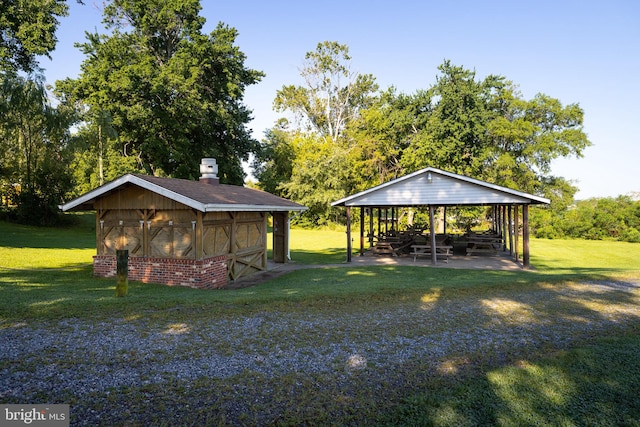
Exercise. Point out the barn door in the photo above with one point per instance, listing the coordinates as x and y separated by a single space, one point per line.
280 241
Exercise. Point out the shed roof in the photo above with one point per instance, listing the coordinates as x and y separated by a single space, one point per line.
442 189
202 196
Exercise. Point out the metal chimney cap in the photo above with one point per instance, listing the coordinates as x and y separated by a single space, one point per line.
208 168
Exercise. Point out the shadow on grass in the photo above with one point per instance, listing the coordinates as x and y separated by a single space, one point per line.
596 383
22 290
574 379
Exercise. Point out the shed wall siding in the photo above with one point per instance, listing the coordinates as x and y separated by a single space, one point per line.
134 197
441 191
239 237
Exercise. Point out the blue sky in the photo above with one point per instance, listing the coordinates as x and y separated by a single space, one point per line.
585 52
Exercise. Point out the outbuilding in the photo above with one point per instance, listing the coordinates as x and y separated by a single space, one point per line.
434 188
189 233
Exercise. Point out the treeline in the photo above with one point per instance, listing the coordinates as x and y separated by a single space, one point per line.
340 134
155 95
595 219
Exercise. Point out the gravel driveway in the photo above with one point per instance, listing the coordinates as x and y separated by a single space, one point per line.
45 362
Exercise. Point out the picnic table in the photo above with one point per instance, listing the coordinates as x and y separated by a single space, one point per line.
442 251
393 246
483 243
384 248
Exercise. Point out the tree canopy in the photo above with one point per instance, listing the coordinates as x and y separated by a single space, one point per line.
481 128
34 140
28 30
174 94
332 95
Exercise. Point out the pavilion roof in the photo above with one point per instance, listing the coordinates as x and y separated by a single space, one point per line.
431 186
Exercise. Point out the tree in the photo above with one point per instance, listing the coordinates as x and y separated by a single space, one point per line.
525 136
320 175
27 30
378 138
97 158
309 162
175 94
273 163
34 138
485 129
332 96
450 130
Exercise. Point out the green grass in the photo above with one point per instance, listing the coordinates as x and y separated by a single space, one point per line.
584 256
595 384
27 247
317 246
45 275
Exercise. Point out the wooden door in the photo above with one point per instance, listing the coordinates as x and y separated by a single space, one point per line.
280 240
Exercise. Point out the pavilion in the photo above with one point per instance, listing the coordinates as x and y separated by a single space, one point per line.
434 188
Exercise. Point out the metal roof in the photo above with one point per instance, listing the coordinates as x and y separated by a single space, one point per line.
202 196
431 186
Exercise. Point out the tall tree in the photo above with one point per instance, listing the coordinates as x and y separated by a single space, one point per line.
307 160
452 123
97 158
273 164
524 136
175 94
333 94
27 30
379 136
320 175
34 141
485 129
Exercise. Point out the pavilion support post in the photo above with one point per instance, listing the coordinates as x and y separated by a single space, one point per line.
361 231
516 233
386 221
348 233
432 233
525 237
371 227
494 216
444 220
505 229
393 219
510 228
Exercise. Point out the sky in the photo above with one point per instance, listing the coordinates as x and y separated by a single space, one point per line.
584 52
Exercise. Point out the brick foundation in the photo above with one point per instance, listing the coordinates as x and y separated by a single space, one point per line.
209 273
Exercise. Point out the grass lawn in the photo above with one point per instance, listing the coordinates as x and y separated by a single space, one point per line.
46 278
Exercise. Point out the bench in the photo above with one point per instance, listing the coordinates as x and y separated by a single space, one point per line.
442 251
384 248
491 246
391 246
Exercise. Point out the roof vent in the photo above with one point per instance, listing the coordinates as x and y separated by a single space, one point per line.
209 171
